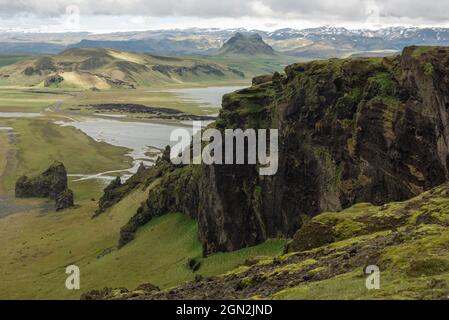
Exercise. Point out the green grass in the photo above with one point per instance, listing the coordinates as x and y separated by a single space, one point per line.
346 286
160 253
41 245
351 286
221 263
25 100
428 69
385 83
87 190
417 267
40 142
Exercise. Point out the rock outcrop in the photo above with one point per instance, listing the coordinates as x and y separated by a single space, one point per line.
52 184
355 130
176 191
117 190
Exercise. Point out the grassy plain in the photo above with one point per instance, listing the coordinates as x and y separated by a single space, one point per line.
17 99
41 245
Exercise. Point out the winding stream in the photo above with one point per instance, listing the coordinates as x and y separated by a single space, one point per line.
141 138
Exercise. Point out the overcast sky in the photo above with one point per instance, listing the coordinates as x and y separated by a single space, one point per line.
124 15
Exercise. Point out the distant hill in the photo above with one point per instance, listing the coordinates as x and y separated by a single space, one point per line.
246 45
154 46
29 48
98 68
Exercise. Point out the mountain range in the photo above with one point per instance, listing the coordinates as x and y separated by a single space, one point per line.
322 42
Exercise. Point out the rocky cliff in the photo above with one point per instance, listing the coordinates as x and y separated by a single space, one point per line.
356 130
52 183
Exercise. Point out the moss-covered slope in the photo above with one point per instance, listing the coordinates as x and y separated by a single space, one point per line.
327 259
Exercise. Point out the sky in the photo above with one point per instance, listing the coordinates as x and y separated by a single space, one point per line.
129 15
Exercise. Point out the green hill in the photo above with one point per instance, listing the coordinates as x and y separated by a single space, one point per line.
106 68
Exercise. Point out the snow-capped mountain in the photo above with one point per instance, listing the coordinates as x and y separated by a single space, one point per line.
321 42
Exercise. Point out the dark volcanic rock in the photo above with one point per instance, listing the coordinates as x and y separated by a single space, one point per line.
50 184
111 196
64 200
117 190
41 66
356 130
157 112
134 108
262 79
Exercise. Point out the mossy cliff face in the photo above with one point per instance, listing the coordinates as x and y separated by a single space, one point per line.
351 131
360 130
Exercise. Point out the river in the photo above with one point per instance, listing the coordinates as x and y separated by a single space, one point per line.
145 140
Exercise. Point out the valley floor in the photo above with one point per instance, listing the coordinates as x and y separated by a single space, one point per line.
42 242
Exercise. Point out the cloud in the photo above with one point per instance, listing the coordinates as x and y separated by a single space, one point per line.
319 11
